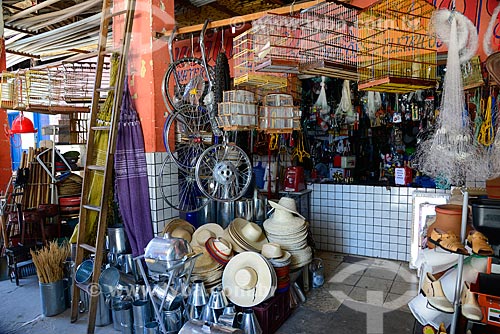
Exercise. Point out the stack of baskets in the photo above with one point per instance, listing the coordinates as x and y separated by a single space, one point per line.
238 111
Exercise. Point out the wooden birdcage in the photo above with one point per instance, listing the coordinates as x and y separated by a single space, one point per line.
472 74
277 43
279 115
238 111
7 90
396 51
329 40
245 74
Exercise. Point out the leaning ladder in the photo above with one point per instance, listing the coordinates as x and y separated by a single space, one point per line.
94 203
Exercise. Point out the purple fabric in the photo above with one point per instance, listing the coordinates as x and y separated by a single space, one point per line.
131 178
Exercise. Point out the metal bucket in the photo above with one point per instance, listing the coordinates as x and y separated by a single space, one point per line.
52 298
103 314
84 271
117 241
225 213
208 213
244 208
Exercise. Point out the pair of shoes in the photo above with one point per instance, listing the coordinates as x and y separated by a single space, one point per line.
470 307
448 241
432 289
479 244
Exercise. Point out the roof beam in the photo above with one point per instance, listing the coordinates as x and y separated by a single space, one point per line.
239 19
223 9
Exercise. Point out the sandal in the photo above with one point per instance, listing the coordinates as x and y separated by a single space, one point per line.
479 244
448 241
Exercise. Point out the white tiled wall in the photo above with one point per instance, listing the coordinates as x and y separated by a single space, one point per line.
160 210
363 220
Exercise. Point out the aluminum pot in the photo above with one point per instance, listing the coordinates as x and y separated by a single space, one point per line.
162 254
199 327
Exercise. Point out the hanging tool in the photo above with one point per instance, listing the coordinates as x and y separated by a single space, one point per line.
99 158
486 133
299 152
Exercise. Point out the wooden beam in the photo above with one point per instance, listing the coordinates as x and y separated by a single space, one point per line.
239 19
24 54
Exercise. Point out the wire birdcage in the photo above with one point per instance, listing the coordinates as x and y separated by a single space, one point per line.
244 66
396 51
472 74
44 87
329 40
277 43
279 115
7 90
238 111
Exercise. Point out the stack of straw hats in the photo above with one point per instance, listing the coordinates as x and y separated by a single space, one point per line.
280 260
206 268
204 232
289 229
249 279
245 236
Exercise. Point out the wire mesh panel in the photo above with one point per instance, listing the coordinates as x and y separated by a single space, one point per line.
396 52
277 43
244 66
329 40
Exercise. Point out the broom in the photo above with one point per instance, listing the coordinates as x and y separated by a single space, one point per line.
49 262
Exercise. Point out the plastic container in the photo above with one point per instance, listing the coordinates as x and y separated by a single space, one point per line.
272 313
490 304
486 218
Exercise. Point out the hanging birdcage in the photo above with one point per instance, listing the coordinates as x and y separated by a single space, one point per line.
238 111
329 40
396 51
277 43
472 76
7 90
245 75
279 115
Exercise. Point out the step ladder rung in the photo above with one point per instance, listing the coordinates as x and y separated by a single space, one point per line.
96 167
101 128
117 13
88 247
105 89
92 207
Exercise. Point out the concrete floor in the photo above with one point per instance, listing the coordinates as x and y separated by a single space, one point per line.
360 295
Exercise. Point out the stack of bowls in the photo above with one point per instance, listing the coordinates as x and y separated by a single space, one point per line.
206 268
245 236
219 249
197 299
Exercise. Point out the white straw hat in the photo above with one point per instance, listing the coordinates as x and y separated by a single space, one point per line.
249 279
271 250
177 224
287 204
247 234
204 232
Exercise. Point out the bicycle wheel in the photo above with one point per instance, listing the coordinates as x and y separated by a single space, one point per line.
190 127
223 172
185 82
179 188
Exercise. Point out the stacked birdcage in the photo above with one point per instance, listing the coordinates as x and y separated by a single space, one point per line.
79 80
238 111
245 74
279 115
396 51
277 43
7 90
329 40
44 87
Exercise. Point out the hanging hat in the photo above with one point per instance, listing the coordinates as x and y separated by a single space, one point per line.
286 203
493 66
248 279
205 232
247 234
179 228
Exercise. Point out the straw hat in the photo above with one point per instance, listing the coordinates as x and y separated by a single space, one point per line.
248 279
179 228
204 232
247 234
493 66
287 204
271 250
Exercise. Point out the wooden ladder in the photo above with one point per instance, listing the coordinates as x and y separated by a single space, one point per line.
94 204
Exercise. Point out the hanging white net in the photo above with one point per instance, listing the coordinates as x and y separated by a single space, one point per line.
448 153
